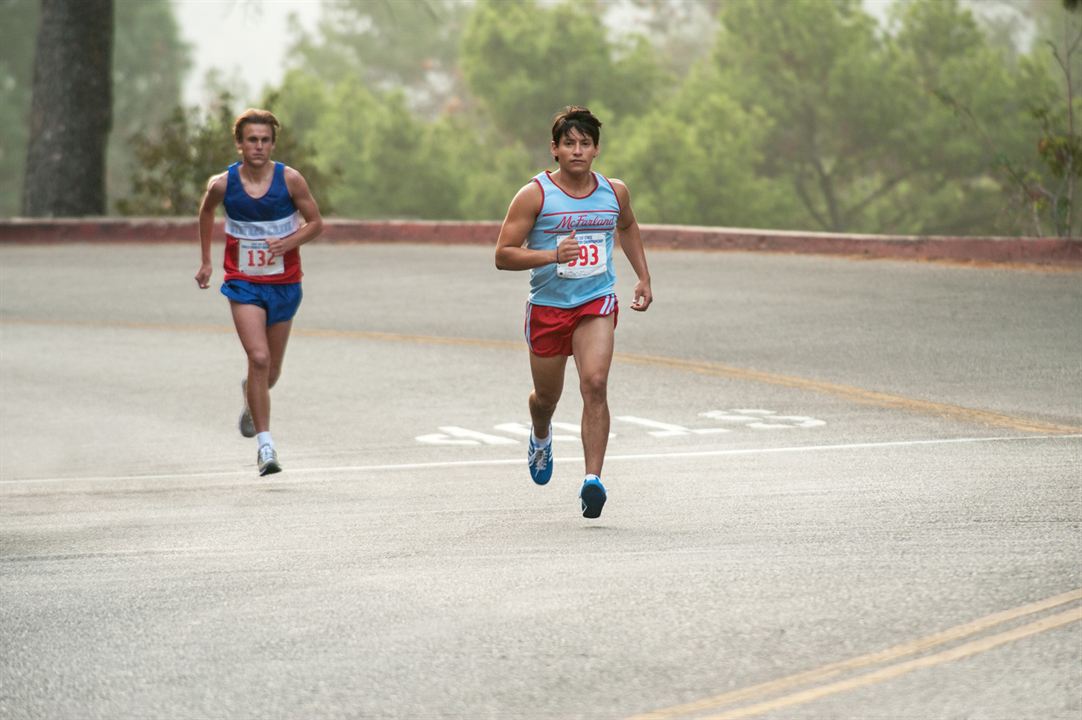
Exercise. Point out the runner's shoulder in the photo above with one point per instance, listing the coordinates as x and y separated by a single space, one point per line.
530 197
294 180
217 183
618 186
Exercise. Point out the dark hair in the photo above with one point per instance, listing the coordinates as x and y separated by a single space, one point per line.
576 117
255 117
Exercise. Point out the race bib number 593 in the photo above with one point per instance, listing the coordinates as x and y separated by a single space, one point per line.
255 258
593 258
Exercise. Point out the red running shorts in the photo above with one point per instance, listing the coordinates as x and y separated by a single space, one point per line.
549 329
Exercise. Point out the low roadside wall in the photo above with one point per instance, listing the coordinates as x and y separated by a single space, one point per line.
1039 251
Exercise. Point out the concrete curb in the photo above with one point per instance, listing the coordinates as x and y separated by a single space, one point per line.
999 250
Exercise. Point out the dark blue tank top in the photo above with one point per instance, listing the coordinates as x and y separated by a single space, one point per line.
275 205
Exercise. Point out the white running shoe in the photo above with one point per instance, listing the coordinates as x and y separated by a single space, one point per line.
267 458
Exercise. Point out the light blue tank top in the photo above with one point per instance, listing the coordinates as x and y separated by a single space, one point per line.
593 217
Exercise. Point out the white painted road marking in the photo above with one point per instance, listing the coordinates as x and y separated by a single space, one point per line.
453 435
279 479
662 429
756 419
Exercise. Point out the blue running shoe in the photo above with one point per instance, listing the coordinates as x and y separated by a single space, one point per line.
593 497
540 461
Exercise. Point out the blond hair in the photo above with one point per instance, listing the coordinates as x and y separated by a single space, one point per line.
255 116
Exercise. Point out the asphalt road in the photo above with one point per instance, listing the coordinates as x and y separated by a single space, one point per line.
838 489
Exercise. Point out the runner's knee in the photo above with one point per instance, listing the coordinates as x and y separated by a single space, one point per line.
594 387
259 360
544 402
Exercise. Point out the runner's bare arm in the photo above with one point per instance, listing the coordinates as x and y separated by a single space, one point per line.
309 210
510 253
631 242
212 198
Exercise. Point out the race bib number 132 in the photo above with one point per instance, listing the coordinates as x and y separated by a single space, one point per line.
255 258
593 257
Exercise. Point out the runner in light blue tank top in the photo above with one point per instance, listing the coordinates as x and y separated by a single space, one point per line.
593 218
561 226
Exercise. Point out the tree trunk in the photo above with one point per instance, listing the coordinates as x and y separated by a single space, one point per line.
71 110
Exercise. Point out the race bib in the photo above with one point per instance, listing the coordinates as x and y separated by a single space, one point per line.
255 258
593 257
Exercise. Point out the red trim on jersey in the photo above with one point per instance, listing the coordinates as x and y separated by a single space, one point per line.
585 212
542 187
576 197
614 193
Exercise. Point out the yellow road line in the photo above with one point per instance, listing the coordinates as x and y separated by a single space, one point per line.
703 367
894 653
855 394
417 339
892 671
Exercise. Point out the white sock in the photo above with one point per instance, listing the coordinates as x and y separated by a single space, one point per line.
264 438
594 477
538 442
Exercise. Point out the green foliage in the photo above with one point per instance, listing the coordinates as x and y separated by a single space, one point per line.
390 164
816 69
174 160
807 114
1062 153
524 62
383 156
693 161
681 32
299 103
17 33
940 53
486 172
866 130
149 62
1029 132
410 46
1060 146
364 154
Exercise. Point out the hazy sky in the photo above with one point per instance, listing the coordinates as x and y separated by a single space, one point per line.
241 38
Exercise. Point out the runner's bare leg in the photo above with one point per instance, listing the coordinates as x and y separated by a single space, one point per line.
548 386
592 344
251 324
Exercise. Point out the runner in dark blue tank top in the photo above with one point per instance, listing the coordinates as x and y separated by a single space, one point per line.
265 203
561 227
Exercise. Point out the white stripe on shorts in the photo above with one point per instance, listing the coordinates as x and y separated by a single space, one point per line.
529 310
